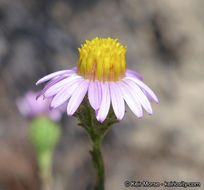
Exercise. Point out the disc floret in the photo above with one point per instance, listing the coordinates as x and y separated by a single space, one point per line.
102 59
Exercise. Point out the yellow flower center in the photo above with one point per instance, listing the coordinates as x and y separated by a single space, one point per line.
102 59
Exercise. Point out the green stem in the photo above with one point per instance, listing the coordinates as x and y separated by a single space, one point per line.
98 164
45 164
96 131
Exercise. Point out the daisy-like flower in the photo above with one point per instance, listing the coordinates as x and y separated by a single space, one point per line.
30 108
101 71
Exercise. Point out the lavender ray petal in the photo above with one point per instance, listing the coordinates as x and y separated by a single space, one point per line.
53 75
94 94
140 95
144 87
55 115
105 103
74 68
49 84
65 93
130 73
147 95
99 93
77 97
58 86
117 101
130 99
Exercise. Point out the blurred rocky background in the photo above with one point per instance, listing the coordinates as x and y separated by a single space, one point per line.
165 41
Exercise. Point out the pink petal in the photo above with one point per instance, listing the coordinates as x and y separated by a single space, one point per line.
52 75
58 86
65 93
144 87
23 106
140 95
77 97
105 103
74 68
55 115
94 94
147 95
130 73
117 101
130 99
49 84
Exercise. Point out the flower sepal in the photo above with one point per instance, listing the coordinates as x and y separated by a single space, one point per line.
87 117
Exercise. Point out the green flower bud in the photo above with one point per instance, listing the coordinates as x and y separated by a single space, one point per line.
44 134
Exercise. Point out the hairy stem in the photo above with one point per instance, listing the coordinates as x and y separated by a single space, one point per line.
96 131
98 163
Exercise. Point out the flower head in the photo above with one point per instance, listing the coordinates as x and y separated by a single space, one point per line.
102 59
30 107
101 72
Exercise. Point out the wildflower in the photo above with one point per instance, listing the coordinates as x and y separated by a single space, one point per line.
30 107
44 135
101 71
